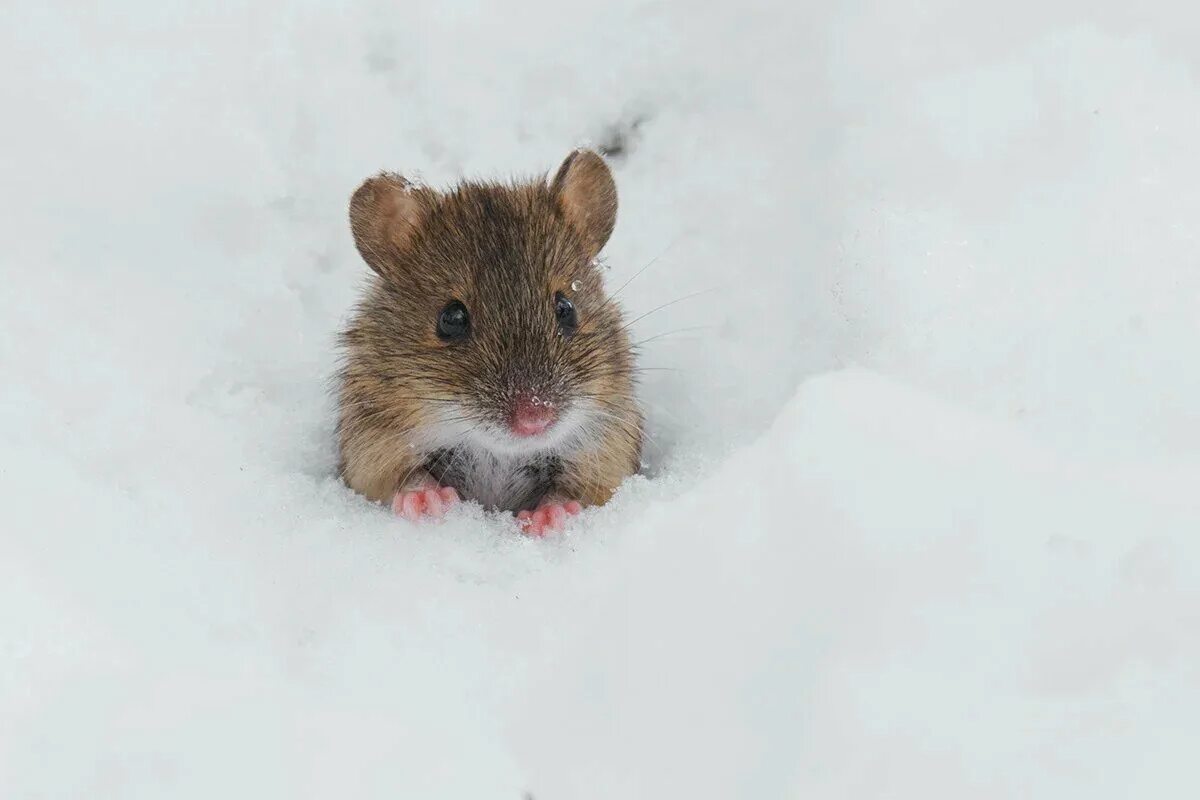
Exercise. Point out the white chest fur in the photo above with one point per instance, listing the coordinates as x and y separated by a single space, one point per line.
496 480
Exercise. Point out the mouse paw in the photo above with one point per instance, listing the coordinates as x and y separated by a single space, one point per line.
426 501
548 517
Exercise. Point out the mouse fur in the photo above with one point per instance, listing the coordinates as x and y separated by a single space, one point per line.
416 409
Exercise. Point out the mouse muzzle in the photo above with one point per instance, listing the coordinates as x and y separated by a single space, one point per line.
531 415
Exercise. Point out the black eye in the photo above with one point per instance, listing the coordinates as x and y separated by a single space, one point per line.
454 322
564 312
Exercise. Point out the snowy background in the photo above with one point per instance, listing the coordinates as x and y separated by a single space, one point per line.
919 517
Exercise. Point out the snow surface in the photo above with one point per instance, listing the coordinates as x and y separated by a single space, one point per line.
919 517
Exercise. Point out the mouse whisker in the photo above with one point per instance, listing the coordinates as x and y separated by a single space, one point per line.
649 264
656 406
669 304
380 403
688 329
428 399
467 416
628 425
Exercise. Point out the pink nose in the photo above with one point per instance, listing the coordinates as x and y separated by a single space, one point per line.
531 415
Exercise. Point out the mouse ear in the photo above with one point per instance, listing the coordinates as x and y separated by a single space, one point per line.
386 213
587 195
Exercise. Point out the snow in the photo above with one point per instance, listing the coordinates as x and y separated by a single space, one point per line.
919 515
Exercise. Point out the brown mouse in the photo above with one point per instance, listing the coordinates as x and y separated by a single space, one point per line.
485 360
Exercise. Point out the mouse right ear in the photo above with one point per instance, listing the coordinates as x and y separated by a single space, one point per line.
386 214
587 195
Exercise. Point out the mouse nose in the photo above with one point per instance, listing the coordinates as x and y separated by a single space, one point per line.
531 415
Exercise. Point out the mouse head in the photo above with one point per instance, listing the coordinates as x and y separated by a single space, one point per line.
488 315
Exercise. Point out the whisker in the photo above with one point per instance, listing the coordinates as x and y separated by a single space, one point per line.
630 427
673 333
646 401
460 418
382 403
668 304
426 399
661 409
649 264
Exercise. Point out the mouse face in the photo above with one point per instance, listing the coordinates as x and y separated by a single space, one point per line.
488 321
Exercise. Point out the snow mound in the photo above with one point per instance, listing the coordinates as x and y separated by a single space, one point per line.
881 595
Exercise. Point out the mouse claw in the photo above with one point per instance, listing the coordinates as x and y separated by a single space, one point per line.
547 518
427 502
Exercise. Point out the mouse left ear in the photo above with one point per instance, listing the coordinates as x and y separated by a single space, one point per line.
587 196
386 215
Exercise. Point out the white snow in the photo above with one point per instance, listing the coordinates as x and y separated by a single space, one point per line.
920 515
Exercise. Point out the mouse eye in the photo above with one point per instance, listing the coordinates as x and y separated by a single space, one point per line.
454 322
564 312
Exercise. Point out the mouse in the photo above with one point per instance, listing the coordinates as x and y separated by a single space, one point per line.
485 361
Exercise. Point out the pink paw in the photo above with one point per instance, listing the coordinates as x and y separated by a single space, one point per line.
425 502
547 517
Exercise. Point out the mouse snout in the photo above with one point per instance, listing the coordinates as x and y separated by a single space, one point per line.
531 415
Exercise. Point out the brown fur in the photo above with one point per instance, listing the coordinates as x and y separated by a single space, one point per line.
504 251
